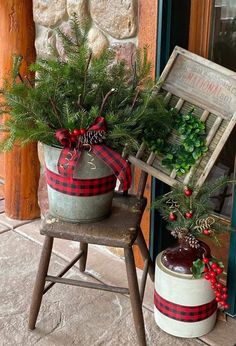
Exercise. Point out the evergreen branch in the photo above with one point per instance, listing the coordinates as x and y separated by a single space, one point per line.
85 74
55 111
17 61
29 81
134 100
105 100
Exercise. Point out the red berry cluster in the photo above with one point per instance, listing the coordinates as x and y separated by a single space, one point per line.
188 192
188 215
172 216
76 133
206 231
212 270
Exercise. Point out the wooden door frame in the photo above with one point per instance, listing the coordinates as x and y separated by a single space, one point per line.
147 36
200 26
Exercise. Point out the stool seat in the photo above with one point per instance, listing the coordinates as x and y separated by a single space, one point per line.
119 229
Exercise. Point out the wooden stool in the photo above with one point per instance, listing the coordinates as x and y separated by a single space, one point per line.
121 229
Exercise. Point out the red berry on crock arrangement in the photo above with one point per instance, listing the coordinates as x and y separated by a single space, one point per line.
188 215
219 270
212 274
206 231
172 217
188 192
205 260
214 265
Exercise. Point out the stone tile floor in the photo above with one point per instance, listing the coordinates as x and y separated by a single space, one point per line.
71 315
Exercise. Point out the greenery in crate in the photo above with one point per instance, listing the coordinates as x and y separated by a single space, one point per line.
189 214
71 93
192 133
181 155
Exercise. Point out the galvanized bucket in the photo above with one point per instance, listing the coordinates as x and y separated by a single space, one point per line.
73 208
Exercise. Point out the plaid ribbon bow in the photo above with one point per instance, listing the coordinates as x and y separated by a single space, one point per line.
69 156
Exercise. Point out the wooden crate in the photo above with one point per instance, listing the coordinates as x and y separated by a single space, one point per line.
188 81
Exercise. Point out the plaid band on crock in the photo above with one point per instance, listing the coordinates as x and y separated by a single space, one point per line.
184 313
80 187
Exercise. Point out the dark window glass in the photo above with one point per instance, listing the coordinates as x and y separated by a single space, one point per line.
223 52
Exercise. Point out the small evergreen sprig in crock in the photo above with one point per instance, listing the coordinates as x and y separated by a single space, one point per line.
188 210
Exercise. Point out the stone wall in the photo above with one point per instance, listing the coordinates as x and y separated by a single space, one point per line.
114 24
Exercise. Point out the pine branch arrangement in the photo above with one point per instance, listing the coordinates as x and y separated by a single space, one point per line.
72 92
189 211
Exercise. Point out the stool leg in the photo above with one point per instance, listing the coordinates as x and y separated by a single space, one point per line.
145 253
83 259
135 296
40 281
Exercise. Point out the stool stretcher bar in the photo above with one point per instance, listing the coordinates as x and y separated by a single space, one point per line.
80 283
64 271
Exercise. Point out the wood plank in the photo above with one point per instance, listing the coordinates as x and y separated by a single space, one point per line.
217 150
144 176
213 130
152 171
204 115
167 97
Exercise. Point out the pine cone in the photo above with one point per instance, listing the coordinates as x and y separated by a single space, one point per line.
93 137
181 232
193 242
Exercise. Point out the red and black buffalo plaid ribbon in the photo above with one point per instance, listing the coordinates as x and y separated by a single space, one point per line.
118 165
69 158
80 187
184 313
